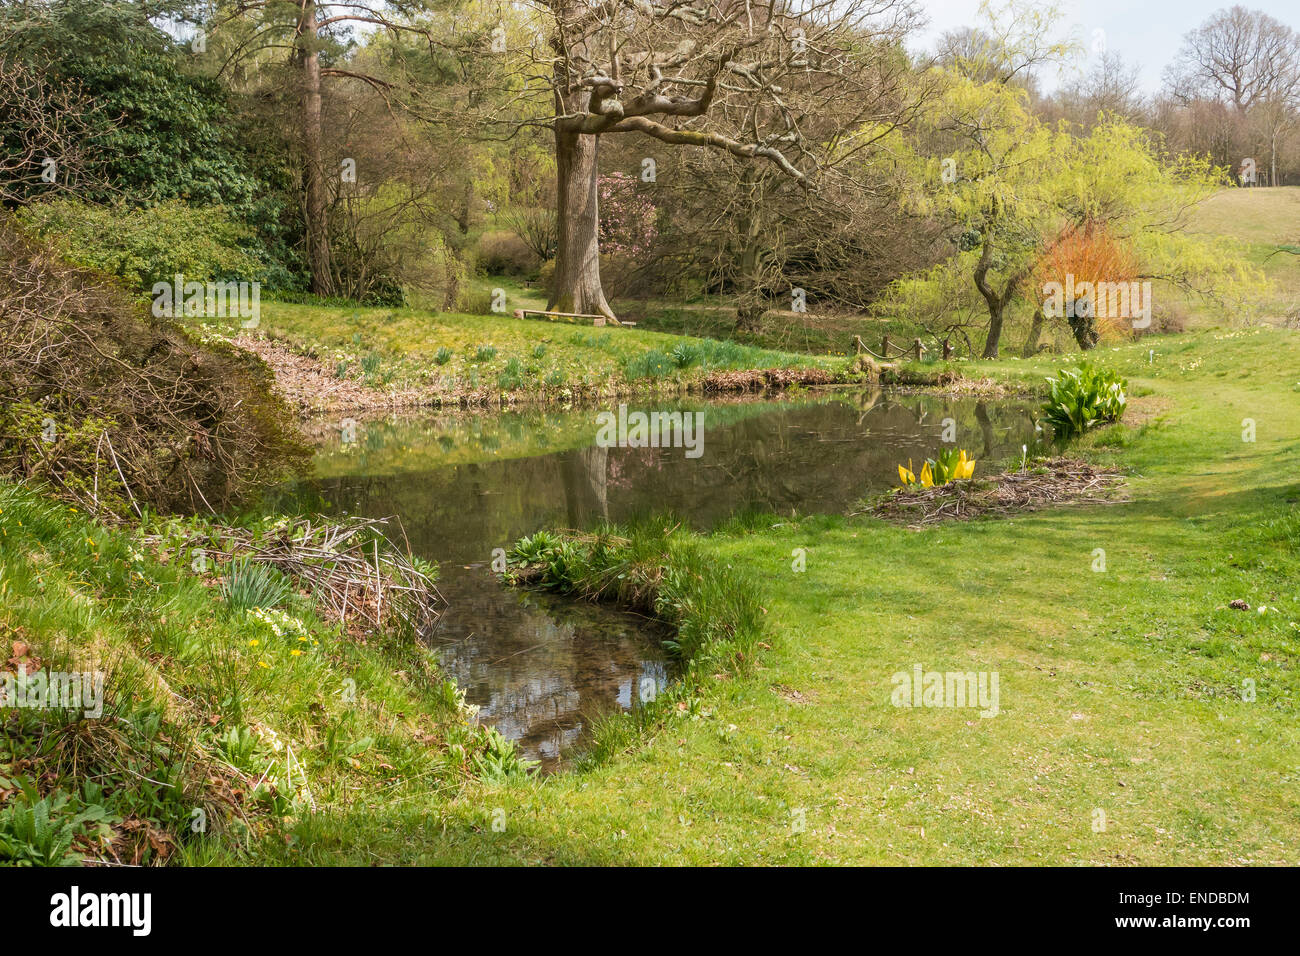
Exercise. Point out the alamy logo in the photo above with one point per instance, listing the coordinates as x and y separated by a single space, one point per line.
48 690
74 908
922 688
651 430
1100 300
218 300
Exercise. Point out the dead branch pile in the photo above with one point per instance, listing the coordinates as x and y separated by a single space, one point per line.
108 404
350 567
1057 481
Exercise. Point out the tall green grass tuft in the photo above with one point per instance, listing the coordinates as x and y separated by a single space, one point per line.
251 584
652 364
658 569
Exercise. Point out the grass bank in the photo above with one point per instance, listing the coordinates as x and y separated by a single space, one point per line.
329 358
221 717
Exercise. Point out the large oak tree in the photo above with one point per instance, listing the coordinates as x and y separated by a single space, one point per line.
788 83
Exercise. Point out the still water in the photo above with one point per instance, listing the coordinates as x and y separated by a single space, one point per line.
465 483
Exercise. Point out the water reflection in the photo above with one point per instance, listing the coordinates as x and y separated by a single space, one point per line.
467 483
540 667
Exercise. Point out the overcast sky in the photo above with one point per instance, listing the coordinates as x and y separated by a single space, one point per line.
1147 33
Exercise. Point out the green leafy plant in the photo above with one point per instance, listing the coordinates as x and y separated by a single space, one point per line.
32 833
500 761
685 355
250 584
1082 398
150 244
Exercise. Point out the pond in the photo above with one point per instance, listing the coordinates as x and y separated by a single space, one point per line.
465 483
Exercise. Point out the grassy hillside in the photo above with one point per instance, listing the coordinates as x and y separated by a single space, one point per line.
1264 219
221 716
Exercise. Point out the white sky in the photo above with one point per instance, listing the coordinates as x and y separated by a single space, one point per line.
1146 33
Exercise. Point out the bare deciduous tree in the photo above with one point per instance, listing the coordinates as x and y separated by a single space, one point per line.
1238 55
793 84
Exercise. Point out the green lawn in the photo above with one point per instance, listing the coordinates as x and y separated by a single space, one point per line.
1121 692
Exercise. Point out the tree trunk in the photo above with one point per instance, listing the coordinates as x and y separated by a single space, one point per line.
1085 332
451 291
1035 330
577 260
995 331
753 300
749 316
463 214
318 241
991 298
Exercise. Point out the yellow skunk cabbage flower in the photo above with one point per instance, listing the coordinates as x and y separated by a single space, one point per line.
927 480
966 466
905 474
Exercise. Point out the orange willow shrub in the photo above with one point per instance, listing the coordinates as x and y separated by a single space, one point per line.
1088 257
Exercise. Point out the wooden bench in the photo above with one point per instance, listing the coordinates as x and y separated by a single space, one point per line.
552 316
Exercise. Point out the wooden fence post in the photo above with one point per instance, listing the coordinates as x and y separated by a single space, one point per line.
884 348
